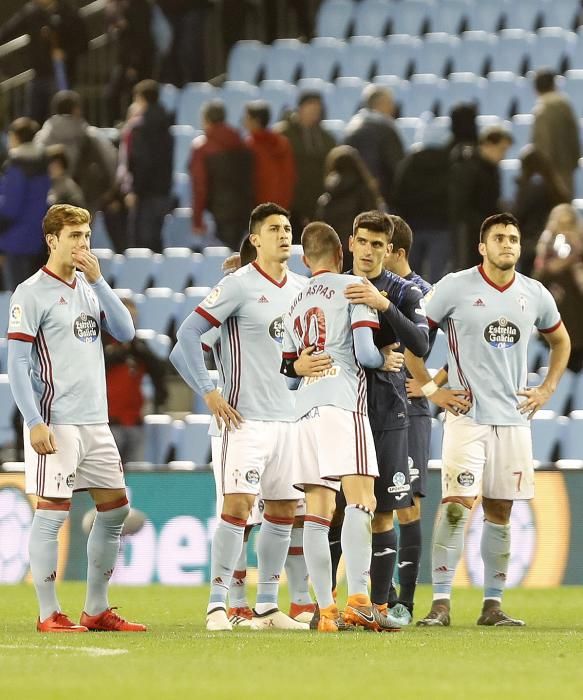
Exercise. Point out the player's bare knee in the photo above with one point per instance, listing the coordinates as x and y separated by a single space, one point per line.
281 509
238 505
382 522
409 515
497 511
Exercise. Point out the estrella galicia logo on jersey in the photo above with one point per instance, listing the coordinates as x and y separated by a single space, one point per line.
276 329
465 479
502 333
86 328
252 477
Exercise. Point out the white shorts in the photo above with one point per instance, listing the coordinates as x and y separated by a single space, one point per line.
258 456
86 458
497 457
333 443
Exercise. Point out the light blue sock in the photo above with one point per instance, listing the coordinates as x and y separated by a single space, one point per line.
297 570
225 550
448 545
43 551
272 545
495 550
318 559
238 589
357 548
102 550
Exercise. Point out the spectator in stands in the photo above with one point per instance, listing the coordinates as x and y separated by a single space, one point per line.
474 191
58 36
64 190
185 60
274 22
555 130
559 266
129 22
221 169
274 165
126 365
149 165
310 144
373 133
92 157
349 190
464 130
540 188
24 187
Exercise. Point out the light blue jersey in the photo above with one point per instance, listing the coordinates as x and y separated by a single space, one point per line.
488 329
248 305
63 321
321 316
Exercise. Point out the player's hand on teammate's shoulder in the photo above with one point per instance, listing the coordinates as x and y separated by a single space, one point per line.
456 401
88 264
312 364
364 292
222 410
535 398
232 263
42 439
394 360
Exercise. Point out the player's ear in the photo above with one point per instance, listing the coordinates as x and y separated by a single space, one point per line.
254 240
351 243
482 248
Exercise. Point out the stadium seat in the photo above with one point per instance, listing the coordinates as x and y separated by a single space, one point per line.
194 442
334 18
410 130
546 428
183 135
574 88
436 438
156 309
235 94
562 395
436 54
579 180
345 99
4 312
577 395
509 171
513 51
336 127
372 18
398 57
280 95
436 132
188 302
521 132
177 229
158 438
486 16
105 257
526 95
361 57
211 270
178 268
500 94
572 444
192 98
199 406
474 52
561 13
523 14
99 235
7 407
537 353
462 87
182 189
3 355
553 48
451 17
284 59
159 343
425 93
135 269
438 355
322 58
315 85
246 61
414 19
295 262
169 96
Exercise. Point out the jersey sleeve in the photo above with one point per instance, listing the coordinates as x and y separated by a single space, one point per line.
210 339
362 315
440 301
222 301
548 318
24 316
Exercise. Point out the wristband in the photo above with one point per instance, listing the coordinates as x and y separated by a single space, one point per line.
429 389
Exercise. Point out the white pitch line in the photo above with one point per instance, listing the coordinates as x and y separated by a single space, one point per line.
90 651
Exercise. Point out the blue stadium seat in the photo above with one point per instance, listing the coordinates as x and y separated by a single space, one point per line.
436 54
105 256
246 60
322 58
509 171
315 85
3 355
236 94
284 59
177 229
7 407
486 16
414 18
546 428
192 98
436 438
410 130
526 95
579 180
500 94
513 50
572 444
561 13
158 438
436 132
562 394
187 304
135 269
521 132
336 127
156 309
574 88
438 355
182 189
280 95
450 17
178 268
199 406
183 135
4 312
194 443
425 93
372 17
211 270
553 48
523 14
399 55
474 52
159 343
334 18
169 96
345 99
462 87
577 397
361 57
537 353
295 263
99 235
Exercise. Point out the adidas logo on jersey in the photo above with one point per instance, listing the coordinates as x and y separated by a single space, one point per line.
62 301
479 302
263 299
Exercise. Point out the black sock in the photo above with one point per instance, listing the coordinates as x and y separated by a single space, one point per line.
393 596
335 550
382 565
409 556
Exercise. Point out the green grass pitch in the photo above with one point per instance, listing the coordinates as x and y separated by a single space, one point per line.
178 659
